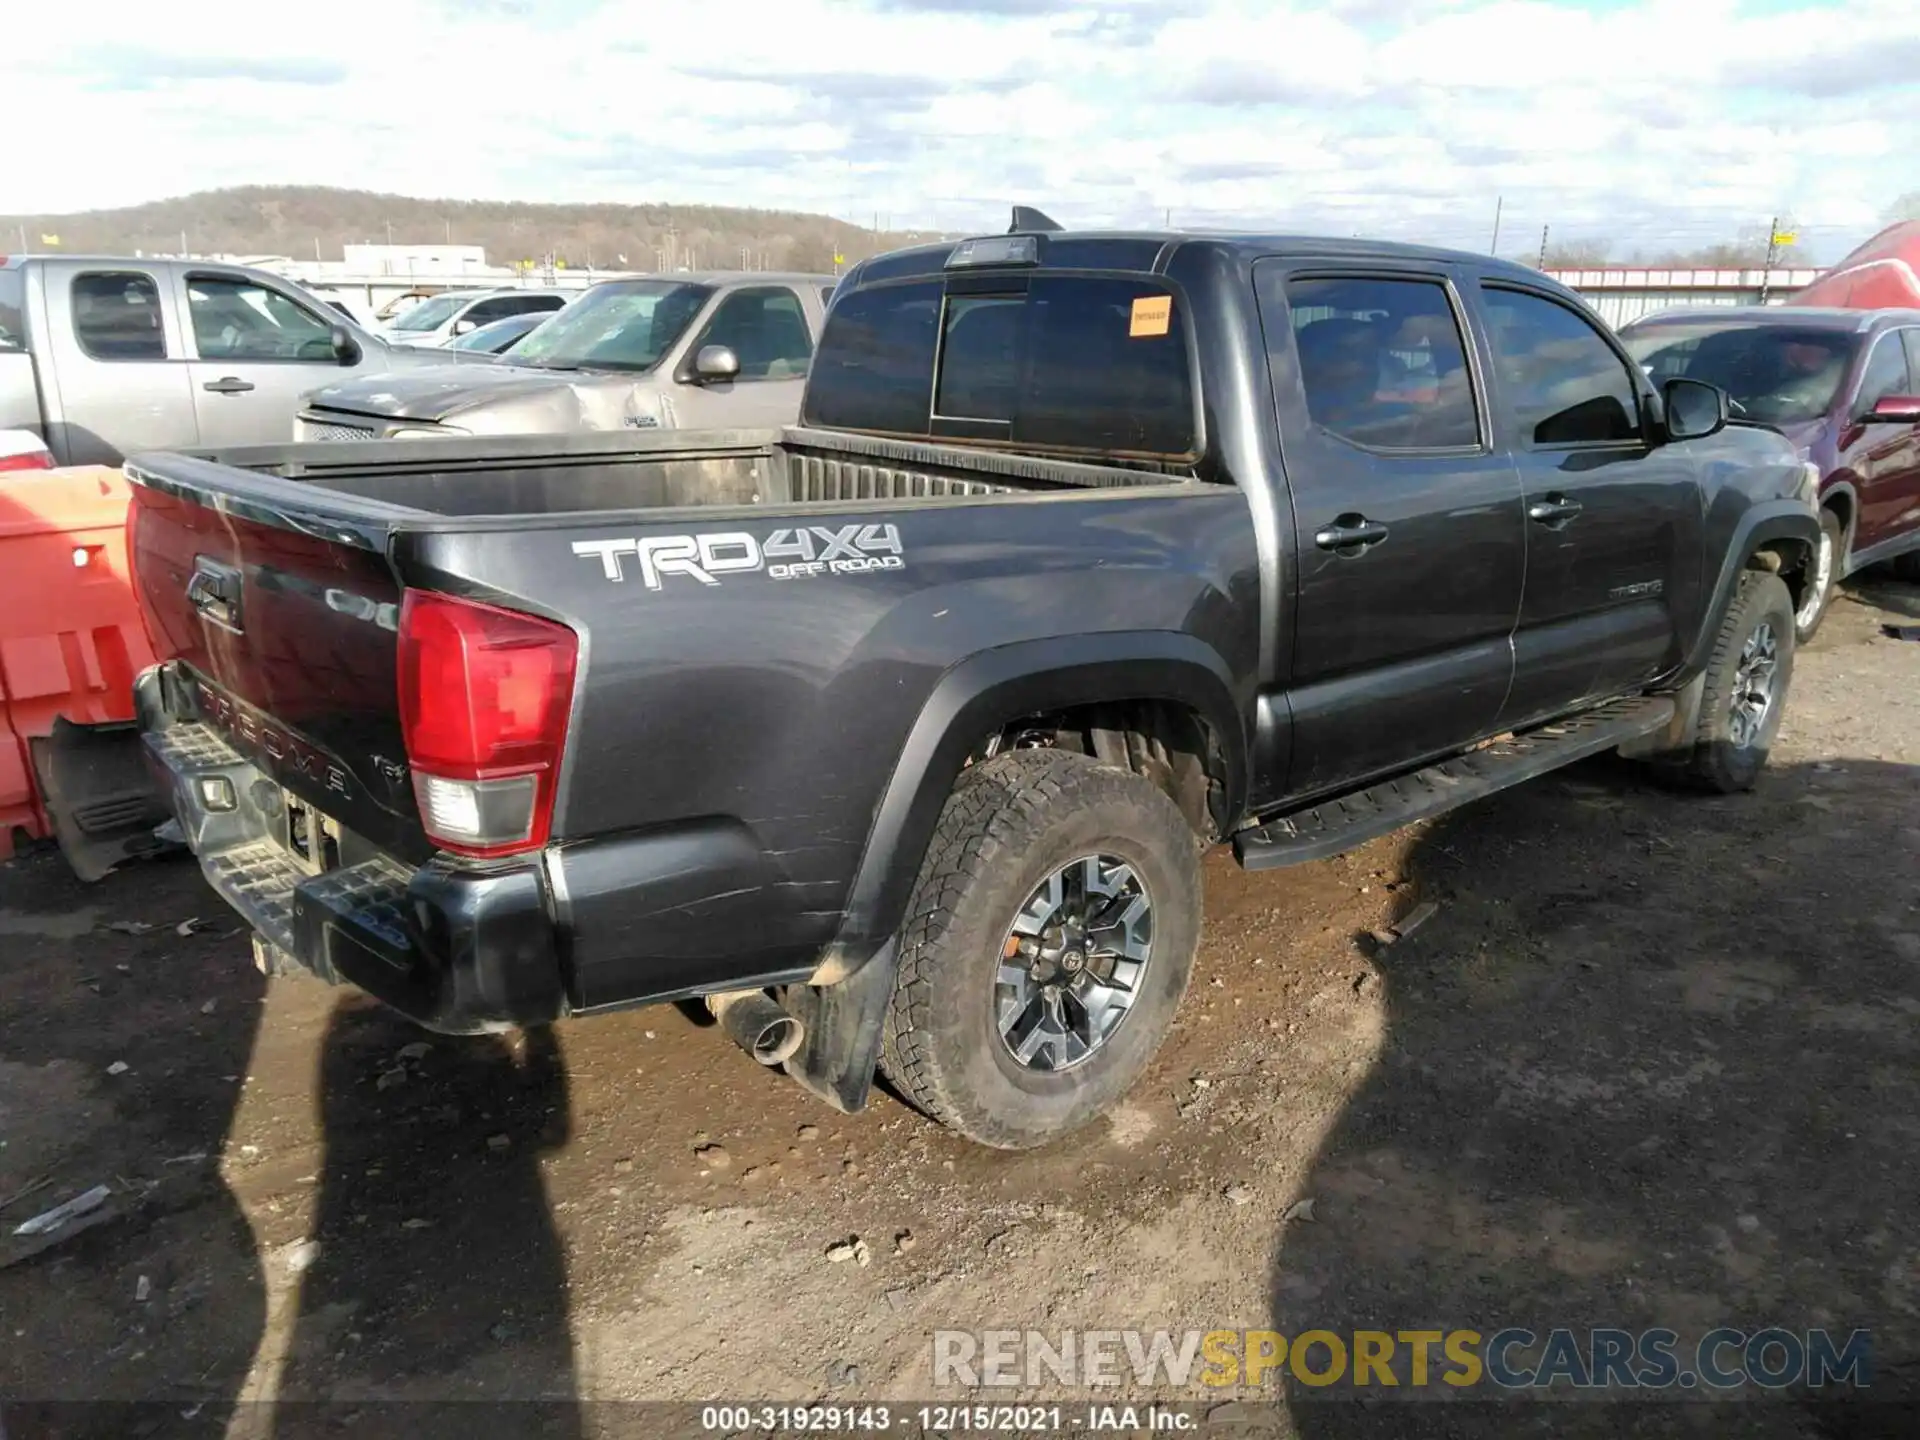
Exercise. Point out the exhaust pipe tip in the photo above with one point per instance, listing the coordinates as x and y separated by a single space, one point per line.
756 1023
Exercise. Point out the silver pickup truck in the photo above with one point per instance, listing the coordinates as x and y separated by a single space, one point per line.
681 351
105 357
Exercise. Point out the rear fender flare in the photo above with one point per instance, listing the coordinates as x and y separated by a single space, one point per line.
988 691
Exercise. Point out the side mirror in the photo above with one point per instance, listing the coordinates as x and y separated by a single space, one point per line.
1894 410
345 348
461 327
715 362
1695 409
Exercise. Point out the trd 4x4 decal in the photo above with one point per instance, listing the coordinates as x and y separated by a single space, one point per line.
790 554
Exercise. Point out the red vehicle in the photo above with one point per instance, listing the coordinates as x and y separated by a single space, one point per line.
1883 274
1844 386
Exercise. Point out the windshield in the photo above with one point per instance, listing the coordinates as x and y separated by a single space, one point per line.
431 314
627 325
1779 374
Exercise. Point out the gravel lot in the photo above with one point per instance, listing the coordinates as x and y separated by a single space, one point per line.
1652 1061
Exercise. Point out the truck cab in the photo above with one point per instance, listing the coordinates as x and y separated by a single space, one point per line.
105 357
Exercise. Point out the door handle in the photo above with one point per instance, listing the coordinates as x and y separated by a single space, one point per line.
1554 511
1350 534
214 590
228 385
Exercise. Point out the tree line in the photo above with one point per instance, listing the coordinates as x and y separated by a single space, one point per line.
314 222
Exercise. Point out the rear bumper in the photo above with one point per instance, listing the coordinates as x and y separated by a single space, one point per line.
456 950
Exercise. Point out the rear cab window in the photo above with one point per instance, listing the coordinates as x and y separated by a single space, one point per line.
13 309
1085 364
116 316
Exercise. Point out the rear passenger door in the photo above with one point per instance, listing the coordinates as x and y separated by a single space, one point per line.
1613 516
120 368
1408 531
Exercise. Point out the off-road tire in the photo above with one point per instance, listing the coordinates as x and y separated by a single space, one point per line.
1717 763
1008 824
1804 629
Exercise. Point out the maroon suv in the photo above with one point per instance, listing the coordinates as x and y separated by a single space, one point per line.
1844 385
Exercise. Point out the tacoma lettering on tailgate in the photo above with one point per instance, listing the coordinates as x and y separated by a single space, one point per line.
790 554
264 738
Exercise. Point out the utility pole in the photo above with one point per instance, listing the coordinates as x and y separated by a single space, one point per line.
1773 247
389 232
23 237
1499 204
1543 248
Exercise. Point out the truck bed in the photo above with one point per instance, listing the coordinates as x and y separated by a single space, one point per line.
515 479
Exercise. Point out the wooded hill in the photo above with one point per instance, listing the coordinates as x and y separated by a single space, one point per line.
295 220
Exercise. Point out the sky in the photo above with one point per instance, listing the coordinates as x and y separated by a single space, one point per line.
1649 123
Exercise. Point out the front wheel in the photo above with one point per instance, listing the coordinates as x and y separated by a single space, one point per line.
1047 945
1745 690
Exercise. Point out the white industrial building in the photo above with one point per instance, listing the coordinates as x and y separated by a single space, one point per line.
1625 292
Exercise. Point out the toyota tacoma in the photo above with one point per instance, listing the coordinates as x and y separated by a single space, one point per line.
897 736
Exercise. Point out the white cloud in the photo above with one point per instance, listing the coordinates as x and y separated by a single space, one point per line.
1657 122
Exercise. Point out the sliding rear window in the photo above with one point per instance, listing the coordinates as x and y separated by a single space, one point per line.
1095 364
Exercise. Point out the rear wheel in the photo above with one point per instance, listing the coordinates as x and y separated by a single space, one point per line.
1745 690
1822 575
1047 945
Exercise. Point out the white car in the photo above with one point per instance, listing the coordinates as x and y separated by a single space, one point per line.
358 311
436 320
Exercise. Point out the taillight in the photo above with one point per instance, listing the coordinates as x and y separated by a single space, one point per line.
484 697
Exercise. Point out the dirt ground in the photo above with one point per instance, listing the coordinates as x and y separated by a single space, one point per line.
1653 1061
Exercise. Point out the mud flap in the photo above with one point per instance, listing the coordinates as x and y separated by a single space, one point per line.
1672 742
844 1022
104 805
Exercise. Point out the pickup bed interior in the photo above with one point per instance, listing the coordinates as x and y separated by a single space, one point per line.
592 473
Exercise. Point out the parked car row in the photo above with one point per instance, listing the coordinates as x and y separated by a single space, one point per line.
455 313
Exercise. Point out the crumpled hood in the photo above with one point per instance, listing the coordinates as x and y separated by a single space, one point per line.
502 399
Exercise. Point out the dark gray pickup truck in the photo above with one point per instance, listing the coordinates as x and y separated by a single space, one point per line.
898 735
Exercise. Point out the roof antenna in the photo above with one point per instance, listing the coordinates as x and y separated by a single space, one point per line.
1027 220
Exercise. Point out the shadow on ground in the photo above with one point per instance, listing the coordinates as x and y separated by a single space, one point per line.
433 1271
1615 1095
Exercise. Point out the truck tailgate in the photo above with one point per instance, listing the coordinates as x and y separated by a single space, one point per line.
292 639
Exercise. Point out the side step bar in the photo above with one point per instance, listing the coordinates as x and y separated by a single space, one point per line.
1350 820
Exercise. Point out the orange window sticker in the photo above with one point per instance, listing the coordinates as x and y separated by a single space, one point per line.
1152 314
